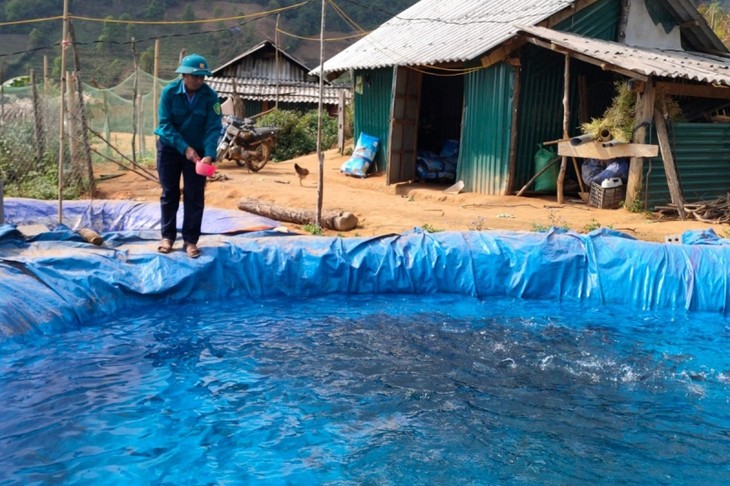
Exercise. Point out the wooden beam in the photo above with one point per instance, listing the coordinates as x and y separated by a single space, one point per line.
670 168
694 90
644 113
595 150
584 58
502 52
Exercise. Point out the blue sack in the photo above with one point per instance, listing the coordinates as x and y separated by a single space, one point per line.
362 156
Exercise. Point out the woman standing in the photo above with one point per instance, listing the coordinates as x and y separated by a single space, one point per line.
189 128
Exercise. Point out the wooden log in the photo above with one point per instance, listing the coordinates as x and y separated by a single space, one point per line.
539 173
644 113
91 236
670 168
340 221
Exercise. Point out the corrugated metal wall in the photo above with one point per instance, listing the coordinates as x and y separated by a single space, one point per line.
372 108
485 137
540 116
702 154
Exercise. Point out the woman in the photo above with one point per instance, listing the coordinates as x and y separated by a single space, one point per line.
188 130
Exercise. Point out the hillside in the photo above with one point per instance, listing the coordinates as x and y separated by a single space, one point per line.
106 48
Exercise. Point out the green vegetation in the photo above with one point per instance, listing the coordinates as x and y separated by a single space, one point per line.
429 228
554 220
27 175
594 225
100 43
298 133
313 229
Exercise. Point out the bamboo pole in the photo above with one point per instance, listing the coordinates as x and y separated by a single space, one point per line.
320 154
156 73
61 129
40 145
276 68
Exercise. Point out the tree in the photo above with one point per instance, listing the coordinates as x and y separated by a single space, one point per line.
155 10
188 13
36 38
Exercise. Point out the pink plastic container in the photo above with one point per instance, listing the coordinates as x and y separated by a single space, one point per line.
203 169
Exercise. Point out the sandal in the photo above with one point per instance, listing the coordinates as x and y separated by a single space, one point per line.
165 246
192 250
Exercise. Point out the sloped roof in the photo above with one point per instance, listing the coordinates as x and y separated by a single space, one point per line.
443 31
260 47
646 61
264 90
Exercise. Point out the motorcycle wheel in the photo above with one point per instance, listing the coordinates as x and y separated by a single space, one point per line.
257 162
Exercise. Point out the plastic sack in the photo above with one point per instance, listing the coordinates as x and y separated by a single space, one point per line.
430 161
547 181
597 171
450 148
363 155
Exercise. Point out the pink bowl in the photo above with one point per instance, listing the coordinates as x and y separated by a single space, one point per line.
203 169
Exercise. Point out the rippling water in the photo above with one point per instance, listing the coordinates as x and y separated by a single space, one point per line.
370 390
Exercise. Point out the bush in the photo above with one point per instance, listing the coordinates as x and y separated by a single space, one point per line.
298 132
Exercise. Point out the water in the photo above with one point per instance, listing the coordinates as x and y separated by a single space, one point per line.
370 390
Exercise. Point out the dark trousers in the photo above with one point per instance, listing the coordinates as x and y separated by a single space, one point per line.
171 165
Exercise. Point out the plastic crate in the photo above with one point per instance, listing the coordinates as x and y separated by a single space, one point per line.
607 197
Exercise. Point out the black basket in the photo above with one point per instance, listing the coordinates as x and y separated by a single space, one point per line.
607 197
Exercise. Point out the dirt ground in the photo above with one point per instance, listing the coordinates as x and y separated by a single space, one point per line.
394 209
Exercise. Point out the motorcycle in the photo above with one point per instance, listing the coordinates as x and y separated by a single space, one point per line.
245 143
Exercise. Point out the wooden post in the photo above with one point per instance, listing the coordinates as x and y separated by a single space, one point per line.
566 124
276 63
135 104
515 63
670 168
81 120
341 100
45 74
62 111
644 112
73 117
155 73
40 142
320 153
2 97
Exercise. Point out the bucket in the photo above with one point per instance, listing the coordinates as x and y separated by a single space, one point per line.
547 181
203 169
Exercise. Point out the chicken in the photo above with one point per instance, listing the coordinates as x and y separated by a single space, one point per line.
301 172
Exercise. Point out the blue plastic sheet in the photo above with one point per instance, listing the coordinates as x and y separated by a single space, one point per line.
110 215
57 278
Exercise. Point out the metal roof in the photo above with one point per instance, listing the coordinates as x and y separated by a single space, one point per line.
265 90
262 47
442 31
438 31
646 61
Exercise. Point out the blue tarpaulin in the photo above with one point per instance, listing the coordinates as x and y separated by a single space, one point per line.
57 277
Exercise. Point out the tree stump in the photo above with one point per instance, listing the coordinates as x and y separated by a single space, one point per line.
340 221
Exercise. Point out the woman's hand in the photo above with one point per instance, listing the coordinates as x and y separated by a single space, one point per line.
192 155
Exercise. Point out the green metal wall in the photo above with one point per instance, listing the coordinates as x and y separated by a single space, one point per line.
540 117
486 130
702 154
372 108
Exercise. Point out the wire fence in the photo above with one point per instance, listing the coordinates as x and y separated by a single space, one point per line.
39 160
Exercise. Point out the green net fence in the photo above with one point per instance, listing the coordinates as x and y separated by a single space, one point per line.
101 126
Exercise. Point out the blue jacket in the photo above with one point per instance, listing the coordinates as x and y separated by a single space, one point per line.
183 124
